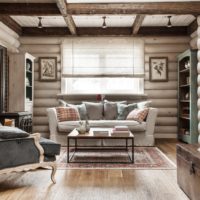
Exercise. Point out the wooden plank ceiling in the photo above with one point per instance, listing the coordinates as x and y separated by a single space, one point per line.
63 18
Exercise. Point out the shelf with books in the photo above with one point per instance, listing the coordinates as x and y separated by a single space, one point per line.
187 96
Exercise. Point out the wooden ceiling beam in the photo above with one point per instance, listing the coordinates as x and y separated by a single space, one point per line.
137 23
151 8
29 9
68 18
12 24
192 27
112 31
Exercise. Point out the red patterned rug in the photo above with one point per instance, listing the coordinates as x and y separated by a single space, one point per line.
145 158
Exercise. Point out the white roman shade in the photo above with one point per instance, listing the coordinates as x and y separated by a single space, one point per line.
103 57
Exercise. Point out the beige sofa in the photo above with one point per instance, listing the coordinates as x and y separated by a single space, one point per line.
143 132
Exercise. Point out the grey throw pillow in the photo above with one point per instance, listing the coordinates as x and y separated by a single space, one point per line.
62 103
110 110
144 104
82 111
124 110
7 132
94 110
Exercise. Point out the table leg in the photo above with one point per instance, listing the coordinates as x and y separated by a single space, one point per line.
132 150
67 150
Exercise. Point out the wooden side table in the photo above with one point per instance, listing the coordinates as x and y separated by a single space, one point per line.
23 120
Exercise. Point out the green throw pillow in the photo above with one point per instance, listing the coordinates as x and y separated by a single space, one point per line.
123 110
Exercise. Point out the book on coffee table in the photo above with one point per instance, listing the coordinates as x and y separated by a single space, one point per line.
99 131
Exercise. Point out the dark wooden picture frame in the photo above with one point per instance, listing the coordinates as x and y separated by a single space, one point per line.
48 68
158 69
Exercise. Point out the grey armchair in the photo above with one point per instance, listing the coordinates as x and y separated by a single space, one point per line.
28 153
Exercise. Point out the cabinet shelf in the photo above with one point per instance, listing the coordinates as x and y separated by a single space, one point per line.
185 101
185 117
185 70
184 86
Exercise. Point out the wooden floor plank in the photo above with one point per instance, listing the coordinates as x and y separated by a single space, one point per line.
96 184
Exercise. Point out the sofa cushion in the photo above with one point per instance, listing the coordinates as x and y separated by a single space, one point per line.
80 108
94 110
110 110
143 104
7 132
67 114
66 127
123 110
50 147
138 114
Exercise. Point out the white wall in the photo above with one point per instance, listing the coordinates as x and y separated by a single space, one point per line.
162 94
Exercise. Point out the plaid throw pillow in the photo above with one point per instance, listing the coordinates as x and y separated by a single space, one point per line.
138 114
67 114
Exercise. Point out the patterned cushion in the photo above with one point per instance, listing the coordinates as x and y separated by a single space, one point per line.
138 114
67 114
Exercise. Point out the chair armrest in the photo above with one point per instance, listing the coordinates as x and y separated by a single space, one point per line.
151 121
20 151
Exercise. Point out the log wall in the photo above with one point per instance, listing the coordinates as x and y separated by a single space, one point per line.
162 94
198 71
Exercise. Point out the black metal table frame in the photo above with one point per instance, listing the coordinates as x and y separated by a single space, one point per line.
102 147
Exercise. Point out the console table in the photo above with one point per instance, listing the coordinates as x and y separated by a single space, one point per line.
23 120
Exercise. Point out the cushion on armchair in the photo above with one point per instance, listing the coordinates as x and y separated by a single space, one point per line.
50 147
7 132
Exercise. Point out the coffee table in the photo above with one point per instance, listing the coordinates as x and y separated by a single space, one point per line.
75 136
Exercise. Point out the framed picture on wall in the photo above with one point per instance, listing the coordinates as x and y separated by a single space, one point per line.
48 68
158 69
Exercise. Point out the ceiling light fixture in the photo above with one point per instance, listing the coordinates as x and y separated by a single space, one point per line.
40 22
104 22
169 24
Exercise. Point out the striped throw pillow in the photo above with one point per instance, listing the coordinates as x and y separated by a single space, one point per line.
138 114
67 114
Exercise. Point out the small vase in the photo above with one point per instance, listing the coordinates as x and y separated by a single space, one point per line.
87 126
81 129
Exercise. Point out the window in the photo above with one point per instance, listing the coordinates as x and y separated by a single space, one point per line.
103 85
102 65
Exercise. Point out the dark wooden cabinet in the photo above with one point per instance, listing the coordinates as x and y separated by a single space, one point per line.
3 79
22 120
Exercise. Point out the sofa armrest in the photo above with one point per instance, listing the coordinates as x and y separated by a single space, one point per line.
53 122
151 121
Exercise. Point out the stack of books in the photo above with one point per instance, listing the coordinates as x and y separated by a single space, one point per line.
120 131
